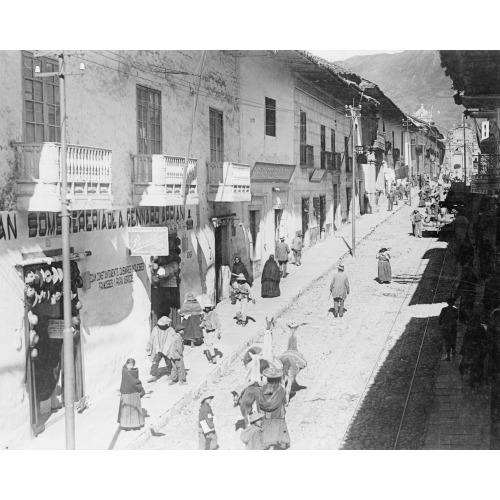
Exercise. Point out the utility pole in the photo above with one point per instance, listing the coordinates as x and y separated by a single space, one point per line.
406 123
68 344
465 153
353 113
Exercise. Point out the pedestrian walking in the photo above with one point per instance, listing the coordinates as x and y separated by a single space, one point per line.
461 227
176 355
207 436
339 289
417 219
270 279
212 330
238 268
252 435
130 415
448 323
282 251
297 248
271 402
390 200
474 350
243 297
191 313
384 266
158 345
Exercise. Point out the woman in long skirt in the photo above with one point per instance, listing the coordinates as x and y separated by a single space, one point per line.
384 266
130 414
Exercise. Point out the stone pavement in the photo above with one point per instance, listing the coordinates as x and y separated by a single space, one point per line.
97 428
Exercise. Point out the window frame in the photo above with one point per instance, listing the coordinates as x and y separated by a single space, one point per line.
270 117
153 142
213 116
322 147
303 138
48 85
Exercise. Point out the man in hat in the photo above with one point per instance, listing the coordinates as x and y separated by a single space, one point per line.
242 294
417 224
390 199
448 323
176 355
297 248
158 345
211 329
207 437
252 435
339 289
282 251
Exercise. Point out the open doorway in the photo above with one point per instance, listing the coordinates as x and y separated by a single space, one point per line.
322 215
222 265
305 217
278 215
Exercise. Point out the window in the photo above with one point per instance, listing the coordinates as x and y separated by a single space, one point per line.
42 120
332 140
346 154
323 147
303 138
383 127
148 121
270 117
216 136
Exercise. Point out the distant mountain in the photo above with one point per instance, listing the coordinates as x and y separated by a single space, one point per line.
409 79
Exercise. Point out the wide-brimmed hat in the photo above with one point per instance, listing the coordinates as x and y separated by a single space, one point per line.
255 417
210 396
163 321
282 238
190 296
241 277
340 267
272 372
179 328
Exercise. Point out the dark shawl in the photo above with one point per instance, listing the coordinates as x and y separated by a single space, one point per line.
239 267
270 279
271 397
130 381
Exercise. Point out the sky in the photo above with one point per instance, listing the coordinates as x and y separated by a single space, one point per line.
342 55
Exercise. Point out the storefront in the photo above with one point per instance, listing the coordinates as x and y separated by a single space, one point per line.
113 303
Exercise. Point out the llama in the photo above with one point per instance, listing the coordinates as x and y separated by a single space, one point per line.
293 362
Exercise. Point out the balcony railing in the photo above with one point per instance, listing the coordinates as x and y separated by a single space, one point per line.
228 182
89 174
158 180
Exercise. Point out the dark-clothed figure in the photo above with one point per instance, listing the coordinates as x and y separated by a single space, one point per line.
271 402
282 251
493 336
465 254
474 350
252 435
339 288
191 312
239 267
297 248
176 355
466 290
130 415
158 346
207 436
384 266
448 323
417 221
270 279
486 252
491 296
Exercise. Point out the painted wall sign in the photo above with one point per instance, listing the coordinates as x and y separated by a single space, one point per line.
115 276
271 172
148 240
47 224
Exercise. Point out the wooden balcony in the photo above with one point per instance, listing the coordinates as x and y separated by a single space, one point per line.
89 174
158 179
228 182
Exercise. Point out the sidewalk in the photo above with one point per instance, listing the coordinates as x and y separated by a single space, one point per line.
97 428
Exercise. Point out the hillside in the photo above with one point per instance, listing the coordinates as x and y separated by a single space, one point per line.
411 78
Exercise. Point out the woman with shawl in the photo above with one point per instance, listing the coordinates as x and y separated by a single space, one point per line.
130 414
270 279
191 313
384 266
271 402
239 268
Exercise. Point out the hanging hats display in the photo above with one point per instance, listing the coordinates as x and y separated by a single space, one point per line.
55 275
47 276
34 353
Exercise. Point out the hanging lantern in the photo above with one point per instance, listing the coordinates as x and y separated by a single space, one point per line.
34 353
34 338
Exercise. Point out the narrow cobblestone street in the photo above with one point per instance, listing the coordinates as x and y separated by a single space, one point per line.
360 366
